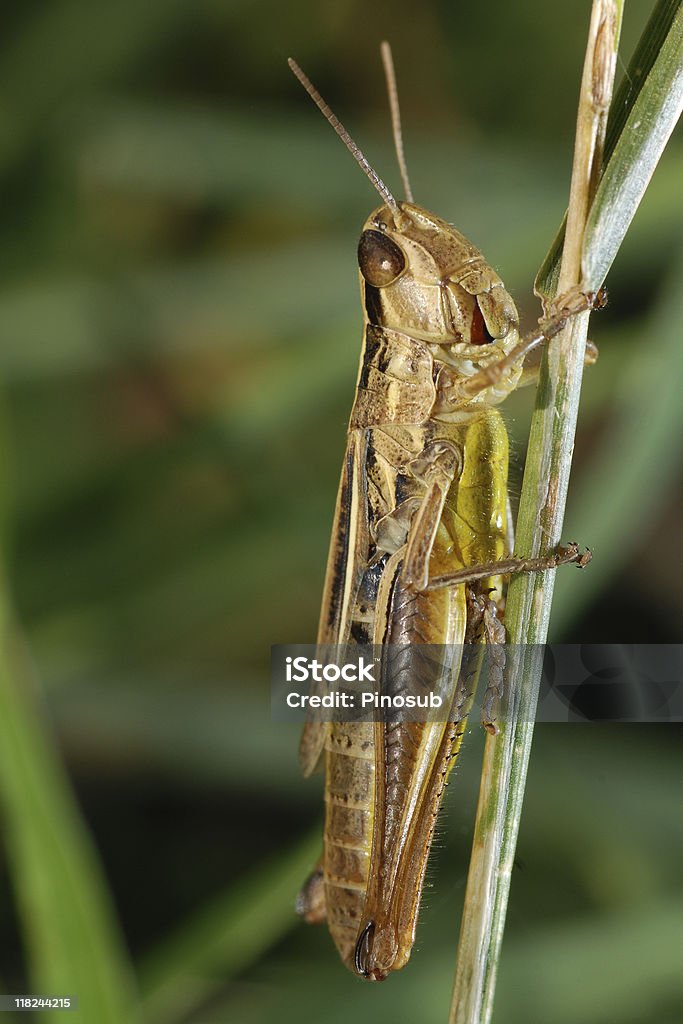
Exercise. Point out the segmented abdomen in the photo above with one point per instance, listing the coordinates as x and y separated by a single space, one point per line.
349 811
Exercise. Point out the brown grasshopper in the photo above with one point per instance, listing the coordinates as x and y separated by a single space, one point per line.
420 545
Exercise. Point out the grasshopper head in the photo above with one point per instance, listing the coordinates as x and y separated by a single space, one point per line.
423 278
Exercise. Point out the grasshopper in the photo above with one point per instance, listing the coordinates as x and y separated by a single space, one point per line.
420 545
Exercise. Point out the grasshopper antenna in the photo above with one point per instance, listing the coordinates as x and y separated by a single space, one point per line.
390 75
345 137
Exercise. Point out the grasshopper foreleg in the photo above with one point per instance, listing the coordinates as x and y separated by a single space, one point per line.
458 392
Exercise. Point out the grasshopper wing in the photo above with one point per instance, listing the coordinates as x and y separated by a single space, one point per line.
346 562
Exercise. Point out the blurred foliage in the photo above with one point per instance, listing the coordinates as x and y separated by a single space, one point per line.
179 334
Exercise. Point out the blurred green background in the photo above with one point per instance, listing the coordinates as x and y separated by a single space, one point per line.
179 335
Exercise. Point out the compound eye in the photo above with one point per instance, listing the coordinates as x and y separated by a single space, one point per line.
379 258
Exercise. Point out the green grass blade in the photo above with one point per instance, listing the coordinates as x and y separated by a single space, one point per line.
645 110
590 246
655 112
70 934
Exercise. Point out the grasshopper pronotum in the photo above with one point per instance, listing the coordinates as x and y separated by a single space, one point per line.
420 544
